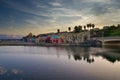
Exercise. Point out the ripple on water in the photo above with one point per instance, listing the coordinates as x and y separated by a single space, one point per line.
2 70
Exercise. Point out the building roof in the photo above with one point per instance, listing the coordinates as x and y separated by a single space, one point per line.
54 36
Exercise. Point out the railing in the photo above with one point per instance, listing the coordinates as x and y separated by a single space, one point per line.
106 39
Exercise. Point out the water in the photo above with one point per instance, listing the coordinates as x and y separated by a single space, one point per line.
59 63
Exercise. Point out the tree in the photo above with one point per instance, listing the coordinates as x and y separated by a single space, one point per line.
34 36
84 27
77 29
58 30
118 25
80 27
93 25
112 27
88 26
30 35
69 28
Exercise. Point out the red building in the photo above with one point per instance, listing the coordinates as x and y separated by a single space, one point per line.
54 39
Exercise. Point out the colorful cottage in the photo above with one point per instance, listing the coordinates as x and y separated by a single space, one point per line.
55 39
42 38
50 39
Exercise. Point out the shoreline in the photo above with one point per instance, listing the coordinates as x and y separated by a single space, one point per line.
40 44
49 44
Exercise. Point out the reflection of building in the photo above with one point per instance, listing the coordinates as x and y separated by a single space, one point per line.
2 70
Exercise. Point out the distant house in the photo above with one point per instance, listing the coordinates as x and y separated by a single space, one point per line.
33 40
50 39
27 39
37 40
24 39
55 39
42 38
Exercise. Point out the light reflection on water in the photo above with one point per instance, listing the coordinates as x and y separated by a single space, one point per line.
59 63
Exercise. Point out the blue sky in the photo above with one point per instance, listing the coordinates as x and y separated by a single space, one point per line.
43 16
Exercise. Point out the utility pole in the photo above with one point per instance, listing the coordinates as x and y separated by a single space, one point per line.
103 38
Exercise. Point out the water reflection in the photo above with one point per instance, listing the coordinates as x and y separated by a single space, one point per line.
12 74
13 71
81 54
16 71
2 70
111 54
59 63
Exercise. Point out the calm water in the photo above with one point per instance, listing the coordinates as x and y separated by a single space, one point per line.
59 63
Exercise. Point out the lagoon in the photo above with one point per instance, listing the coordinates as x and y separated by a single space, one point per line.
59 63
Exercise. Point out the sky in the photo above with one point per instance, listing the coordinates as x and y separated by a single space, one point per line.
21 17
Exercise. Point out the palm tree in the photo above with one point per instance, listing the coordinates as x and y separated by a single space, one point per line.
84 27
77 29
88 26
80 27
58 30
69 28
93 25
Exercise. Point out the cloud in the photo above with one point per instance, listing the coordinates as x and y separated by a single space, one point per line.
41 6
50 15
99 1
55 4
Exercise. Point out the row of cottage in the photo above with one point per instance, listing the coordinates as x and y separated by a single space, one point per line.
59 38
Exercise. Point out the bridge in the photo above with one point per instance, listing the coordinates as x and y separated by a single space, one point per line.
104 40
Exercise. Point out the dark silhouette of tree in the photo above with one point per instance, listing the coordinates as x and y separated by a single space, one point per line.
84 27
118 26
111 30
77 29
69 28
34 36
88 26
93 26
80 27
58 30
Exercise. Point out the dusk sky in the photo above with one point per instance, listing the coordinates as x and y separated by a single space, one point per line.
20 17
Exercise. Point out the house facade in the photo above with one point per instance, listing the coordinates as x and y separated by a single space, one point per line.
54 39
